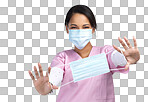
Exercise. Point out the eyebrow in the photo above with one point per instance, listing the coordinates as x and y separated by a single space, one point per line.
76 25
73 24
85 24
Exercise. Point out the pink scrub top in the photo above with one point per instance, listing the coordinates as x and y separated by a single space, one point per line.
95 89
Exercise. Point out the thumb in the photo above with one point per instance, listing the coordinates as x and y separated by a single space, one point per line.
127 66
49 68
55 87
52 86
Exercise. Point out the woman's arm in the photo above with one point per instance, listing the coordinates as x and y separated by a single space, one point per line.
131 54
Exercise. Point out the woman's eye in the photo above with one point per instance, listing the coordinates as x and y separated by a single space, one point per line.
86 27
73 27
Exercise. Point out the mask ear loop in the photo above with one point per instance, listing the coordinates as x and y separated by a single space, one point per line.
96 33
67 83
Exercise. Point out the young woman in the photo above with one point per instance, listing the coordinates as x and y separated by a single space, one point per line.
80 24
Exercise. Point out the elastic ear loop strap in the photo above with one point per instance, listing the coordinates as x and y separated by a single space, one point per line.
110 69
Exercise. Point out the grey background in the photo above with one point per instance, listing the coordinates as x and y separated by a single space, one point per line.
33 31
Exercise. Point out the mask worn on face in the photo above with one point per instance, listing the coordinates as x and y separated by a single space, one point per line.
89 67
80 37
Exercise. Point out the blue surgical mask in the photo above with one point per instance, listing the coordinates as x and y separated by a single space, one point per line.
89 67
80 37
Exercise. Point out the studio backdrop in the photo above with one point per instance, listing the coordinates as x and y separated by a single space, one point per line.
33 31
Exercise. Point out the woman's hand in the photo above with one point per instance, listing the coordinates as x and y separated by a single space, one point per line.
42 84
131 54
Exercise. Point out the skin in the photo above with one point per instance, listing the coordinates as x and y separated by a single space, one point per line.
41 84
80 21
131 54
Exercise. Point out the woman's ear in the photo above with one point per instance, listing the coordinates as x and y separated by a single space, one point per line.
67 29
93 30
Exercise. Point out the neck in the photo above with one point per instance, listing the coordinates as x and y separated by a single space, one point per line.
85 51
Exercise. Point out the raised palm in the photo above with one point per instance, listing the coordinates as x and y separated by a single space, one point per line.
131 54
42 84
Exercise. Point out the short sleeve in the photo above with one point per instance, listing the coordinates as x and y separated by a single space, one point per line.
57 69
109 50
58 61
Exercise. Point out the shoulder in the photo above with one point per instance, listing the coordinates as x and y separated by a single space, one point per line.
105 48
61 56
64 53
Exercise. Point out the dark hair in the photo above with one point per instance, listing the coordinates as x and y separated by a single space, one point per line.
82 9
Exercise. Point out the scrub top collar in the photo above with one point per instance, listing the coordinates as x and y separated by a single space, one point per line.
88 55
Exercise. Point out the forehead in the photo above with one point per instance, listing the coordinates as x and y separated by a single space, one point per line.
79 19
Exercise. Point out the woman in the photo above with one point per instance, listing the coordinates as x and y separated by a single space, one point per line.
80 22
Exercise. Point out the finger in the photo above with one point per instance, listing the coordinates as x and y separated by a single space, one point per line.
55 87
124 53
116 48
31 75
52 86
127 66
49 69
40 69
127 42
122 43
46 74
135 42
36 72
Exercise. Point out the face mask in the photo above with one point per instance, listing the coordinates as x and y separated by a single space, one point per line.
89 67
81 37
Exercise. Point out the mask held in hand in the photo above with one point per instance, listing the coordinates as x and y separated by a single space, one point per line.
89 67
